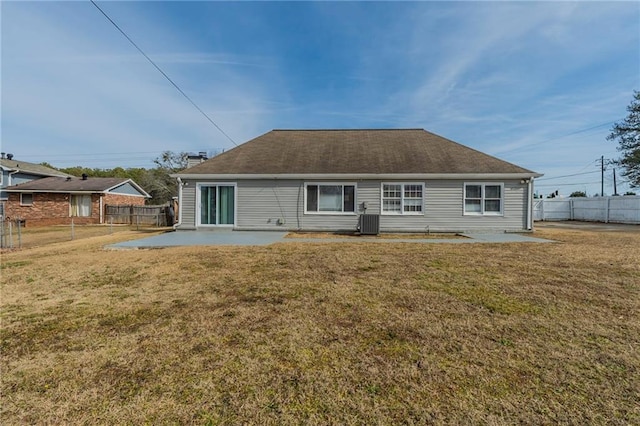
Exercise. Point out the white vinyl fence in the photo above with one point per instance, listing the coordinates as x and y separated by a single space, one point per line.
622 209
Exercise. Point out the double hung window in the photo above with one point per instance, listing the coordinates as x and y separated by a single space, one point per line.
402 198
483 199
330 198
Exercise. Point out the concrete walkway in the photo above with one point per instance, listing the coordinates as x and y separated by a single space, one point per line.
260 238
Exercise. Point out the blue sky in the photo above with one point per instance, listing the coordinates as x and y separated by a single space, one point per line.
534 83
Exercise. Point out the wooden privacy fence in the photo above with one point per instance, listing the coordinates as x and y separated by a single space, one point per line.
140 215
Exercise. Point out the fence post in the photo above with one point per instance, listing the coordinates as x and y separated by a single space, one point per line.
111 225
10 235
606 220
72 230
570 208
19 233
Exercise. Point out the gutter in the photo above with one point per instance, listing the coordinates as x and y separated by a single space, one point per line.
530 205
176 225
361 176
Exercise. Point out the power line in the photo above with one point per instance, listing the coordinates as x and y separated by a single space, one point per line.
564 176
566 184
163 73
530 145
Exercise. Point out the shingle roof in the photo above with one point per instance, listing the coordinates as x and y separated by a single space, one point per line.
399 151
74 184
36 169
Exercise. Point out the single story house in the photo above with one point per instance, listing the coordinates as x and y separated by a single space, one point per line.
401 180
13 172
59 200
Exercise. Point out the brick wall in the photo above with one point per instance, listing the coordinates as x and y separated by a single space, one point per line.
122 200
54 209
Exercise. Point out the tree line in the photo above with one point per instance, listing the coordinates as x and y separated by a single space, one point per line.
156 181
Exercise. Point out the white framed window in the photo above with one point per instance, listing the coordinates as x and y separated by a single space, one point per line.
403 198
80 205
26 199
483 199
330 198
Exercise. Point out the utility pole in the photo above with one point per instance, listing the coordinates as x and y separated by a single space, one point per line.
602 176
615 187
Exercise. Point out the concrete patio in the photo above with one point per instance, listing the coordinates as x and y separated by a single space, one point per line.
259 238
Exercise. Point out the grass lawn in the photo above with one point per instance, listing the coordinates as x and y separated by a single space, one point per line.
30 237
324 333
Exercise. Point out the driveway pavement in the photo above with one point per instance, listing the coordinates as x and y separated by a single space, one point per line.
258 238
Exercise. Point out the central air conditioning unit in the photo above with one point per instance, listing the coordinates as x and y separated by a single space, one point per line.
369 224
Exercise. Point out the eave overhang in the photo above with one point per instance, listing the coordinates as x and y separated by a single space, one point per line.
369 176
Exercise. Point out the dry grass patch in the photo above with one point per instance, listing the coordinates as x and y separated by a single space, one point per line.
315 334
41 236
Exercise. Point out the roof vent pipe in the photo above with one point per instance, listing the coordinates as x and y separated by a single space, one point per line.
84 176
2 155
9 156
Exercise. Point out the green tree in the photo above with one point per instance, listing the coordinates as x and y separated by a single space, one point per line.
627 134
158 181
171 161
578 194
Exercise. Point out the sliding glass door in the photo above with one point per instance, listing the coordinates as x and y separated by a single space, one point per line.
217 204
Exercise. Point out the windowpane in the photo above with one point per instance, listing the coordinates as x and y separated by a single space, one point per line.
392 191
472 206
492 191
80 205
208 204
412 205
492 206
413 191
330 199
312 198
391 205
473 191
26 199
226 205
349 198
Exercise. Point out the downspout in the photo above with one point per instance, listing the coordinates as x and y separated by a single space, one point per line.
10 183
176 225
101 209
530 204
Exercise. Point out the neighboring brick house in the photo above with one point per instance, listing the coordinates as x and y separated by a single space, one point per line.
13 172
59 200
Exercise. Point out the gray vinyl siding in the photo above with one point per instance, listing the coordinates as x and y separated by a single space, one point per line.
188 207
279 205
444 211
272 204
